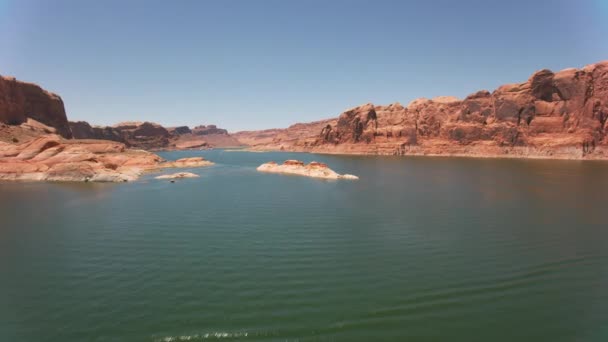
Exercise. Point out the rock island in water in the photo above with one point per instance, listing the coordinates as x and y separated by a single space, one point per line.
296 167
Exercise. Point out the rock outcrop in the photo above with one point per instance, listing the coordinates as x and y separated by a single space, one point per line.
20 101
552 115
296 167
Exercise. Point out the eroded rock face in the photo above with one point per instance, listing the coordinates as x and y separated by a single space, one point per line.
20 101
296 167
551 115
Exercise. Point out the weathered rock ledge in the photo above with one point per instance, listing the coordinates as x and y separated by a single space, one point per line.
296 167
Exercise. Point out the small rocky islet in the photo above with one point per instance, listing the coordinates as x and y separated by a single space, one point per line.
296 167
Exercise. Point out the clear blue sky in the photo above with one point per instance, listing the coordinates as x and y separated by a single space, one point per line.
262 64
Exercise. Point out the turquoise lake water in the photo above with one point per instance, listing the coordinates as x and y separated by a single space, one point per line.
418 249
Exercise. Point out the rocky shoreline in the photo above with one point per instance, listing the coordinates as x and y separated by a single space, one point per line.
53 158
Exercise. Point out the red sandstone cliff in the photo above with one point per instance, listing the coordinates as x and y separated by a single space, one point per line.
552 115
20 101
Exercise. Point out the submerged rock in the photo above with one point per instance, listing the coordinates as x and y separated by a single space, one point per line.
296 167
178 175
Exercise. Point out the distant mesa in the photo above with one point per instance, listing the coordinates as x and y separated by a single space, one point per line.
296 167
152 136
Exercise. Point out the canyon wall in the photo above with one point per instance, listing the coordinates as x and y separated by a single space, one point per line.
552 115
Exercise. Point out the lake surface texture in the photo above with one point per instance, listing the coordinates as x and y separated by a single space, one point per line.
418 249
